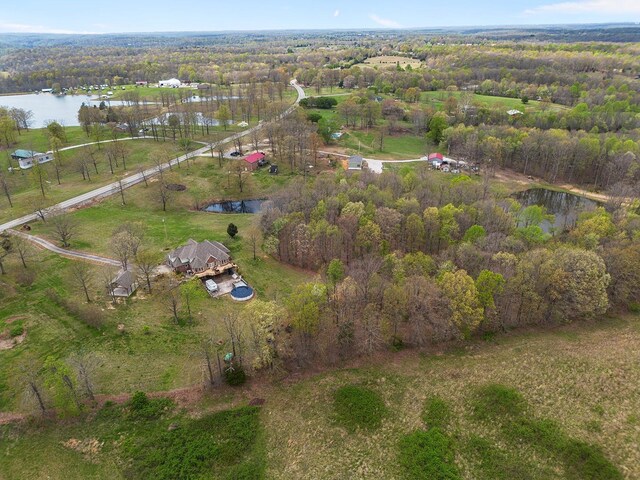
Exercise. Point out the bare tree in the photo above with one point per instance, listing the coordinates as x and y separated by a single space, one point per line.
146 263
125 242
85 364
107 278
119 187
65 228
6 189
164 195
82 276
6 248
30 372
23 248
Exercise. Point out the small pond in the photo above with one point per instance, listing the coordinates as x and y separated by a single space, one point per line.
564 206
236 206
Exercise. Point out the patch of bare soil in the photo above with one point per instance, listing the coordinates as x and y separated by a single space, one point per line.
7 342
176 187
15 318
89 448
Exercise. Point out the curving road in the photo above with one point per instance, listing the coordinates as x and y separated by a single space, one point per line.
136 178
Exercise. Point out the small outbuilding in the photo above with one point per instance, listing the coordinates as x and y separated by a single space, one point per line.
124 284
254 160
356 162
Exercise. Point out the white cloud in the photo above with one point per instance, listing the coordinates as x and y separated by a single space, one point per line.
619 7
336 13
24 28
384 22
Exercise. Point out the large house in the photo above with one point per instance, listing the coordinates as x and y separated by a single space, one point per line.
27 158
201 259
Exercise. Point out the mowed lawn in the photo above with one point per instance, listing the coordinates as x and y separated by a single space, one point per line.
26 191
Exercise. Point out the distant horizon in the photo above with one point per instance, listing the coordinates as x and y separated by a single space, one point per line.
345 29
75 17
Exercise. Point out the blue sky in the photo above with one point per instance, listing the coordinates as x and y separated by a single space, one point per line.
109 16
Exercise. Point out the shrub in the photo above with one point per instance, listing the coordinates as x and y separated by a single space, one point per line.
142 407
235 376
16 331
358 407
494 464
224 443
25 278
232 230
428 455
436 413
497 401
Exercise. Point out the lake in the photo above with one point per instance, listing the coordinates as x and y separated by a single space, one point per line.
47 107
565 206
236 206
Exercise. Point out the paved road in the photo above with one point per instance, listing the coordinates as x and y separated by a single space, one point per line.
136 178
66 253
375 165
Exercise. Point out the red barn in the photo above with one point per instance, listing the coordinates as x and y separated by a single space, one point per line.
253 159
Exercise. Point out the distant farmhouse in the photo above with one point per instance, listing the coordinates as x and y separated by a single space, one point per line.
171 83
201 259
27 158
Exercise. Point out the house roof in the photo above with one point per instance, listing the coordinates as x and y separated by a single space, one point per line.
125 279
254 157
436 155
355 161
20 153
197 254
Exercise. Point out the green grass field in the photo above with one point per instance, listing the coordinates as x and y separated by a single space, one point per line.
437 99
152 338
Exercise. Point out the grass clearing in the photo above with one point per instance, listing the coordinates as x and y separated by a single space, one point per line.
436 413
506 407
358 408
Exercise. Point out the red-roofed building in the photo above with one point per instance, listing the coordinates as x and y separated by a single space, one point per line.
254 159
436 156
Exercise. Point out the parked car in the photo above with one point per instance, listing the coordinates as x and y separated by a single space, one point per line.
262 162
211 286
235 154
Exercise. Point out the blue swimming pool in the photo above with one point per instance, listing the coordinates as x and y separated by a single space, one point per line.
242 293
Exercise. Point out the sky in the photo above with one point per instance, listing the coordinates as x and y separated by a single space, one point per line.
118 16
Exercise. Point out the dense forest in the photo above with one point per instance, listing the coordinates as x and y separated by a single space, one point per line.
415 258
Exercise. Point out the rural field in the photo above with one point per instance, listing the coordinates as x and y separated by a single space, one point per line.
571 378
472 315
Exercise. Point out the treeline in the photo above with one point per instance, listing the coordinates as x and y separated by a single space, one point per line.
420 258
